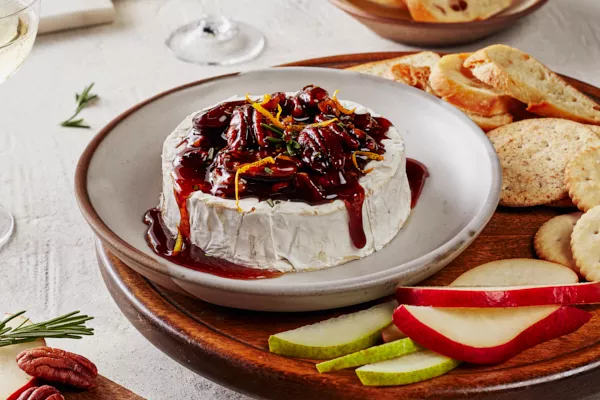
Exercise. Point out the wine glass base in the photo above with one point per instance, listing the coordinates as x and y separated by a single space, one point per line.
7 226
216 41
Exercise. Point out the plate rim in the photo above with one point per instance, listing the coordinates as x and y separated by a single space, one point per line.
454 245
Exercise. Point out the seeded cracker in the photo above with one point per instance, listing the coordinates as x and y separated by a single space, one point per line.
582 177
552 242
585 244
533 154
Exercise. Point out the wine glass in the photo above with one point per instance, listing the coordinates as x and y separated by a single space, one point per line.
202 35
19 21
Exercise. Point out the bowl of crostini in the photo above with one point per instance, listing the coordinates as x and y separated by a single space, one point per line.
437 22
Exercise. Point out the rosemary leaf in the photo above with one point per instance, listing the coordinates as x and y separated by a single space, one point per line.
290 149
83 100
68 326
272 129
274 140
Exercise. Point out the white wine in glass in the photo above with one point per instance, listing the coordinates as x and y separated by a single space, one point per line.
19 21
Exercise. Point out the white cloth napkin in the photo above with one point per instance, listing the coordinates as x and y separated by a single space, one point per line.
67 14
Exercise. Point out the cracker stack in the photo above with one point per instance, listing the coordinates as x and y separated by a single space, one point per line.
550 156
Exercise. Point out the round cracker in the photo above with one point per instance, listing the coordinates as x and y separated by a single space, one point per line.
582 177
585 244
534 154
552 242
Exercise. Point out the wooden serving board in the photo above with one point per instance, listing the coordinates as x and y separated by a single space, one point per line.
106 390
229 346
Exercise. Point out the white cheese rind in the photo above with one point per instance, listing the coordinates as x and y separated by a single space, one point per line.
293 236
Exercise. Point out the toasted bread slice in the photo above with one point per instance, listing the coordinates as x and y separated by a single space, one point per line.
413 69
519 75
490 123
379 68
455 10
595 129
392 3
457 85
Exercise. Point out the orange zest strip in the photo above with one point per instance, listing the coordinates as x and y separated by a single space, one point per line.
284 157
267 114
178 244
340 107
324 123
266 99
368 154
258 107
315 125
243 168
277 122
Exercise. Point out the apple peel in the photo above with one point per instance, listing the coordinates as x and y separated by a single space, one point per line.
504 296
476 335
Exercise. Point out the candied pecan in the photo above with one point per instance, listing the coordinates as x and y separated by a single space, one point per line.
298 111
41 393
347 140
238 134
277 99
314 151
312 95
58 366
335 152
218 116
260 132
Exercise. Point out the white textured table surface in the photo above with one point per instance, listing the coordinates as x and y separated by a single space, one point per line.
49 267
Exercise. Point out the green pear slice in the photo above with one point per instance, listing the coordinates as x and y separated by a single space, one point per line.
374 354
412 368
335 337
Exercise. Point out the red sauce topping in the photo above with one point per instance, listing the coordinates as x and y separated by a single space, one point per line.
313 164
161 240
416 173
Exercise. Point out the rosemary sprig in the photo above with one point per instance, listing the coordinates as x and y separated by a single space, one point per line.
272 129
83 100
274 140
291 145
68 326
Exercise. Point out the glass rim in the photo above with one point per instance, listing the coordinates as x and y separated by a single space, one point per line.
29 3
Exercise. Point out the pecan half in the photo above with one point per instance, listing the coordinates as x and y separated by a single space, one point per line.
41 393
58 366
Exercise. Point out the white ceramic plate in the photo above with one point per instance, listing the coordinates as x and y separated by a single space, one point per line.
119 178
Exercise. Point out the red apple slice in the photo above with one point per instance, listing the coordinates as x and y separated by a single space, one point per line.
517 272
13 381
486 335
503 296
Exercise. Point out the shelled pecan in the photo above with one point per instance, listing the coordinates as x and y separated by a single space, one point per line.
41 393
58 366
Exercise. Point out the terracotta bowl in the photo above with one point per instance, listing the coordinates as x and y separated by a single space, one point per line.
397 24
